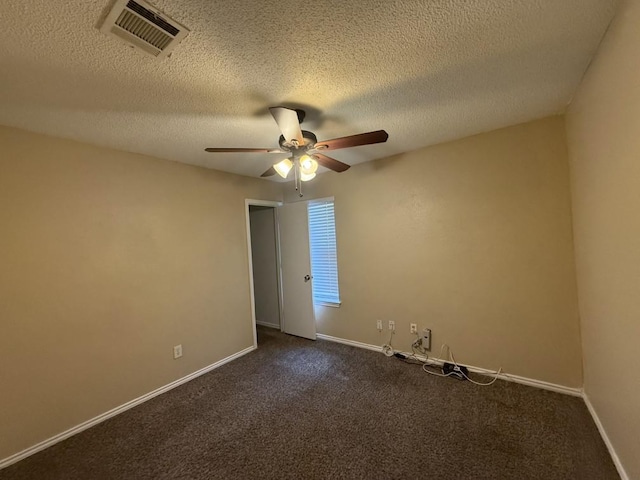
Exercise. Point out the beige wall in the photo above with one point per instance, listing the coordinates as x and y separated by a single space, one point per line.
603 129
109 259
265 267
471 238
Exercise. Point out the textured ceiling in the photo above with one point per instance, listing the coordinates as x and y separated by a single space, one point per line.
425 71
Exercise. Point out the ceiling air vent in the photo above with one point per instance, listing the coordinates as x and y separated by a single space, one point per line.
144 27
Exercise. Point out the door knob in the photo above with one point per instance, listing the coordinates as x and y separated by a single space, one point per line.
307 278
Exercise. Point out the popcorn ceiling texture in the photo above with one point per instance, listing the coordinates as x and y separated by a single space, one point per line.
425 71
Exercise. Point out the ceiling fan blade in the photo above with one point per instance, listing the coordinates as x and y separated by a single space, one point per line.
287 120
379 136
268 173
245 150
331 163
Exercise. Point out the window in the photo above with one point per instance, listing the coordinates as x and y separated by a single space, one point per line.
324 259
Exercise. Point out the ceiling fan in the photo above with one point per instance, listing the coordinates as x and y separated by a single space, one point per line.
304 148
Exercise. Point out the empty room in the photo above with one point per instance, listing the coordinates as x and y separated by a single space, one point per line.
320 240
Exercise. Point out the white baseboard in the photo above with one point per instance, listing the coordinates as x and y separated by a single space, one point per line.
267 324
5 462
605 437
353 343
576 392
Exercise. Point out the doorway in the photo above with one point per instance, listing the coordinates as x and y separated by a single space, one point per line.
263 237
280 286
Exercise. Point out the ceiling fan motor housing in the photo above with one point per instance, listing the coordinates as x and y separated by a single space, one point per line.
297 150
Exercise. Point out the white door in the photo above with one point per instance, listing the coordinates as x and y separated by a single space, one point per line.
299 318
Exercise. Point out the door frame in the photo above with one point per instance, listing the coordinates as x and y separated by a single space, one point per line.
263 203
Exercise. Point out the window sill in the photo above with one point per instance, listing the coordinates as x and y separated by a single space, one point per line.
328 304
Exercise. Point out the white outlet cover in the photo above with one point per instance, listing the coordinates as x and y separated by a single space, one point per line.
177 351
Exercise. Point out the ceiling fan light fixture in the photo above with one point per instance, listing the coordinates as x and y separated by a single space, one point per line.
308 165
305 177
283 168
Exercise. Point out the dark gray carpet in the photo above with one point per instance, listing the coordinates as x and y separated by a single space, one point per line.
298 409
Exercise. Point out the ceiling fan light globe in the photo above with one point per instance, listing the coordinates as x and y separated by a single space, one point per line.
283 168
308 165
305 177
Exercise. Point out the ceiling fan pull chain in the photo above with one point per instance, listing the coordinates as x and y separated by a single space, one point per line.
298 176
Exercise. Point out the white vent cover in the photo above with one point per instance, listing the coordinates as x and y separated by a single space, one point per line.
144 27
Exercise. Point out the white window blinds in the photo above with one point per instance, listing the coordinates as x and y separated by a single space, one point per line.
324 259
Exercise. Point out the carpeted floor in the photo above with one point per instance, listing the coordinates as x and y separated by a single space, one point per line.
297 409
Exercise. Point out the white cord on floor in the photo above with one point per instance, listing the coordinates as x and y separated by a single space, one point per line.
452 359
424 367
387 349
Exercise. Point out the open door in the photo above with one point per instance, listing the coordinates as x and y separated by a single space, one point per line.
298 316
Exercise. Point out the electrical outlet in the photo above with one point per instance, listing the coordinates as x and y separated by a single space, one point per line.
177 351
414 328
379 325
392 325
426 339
